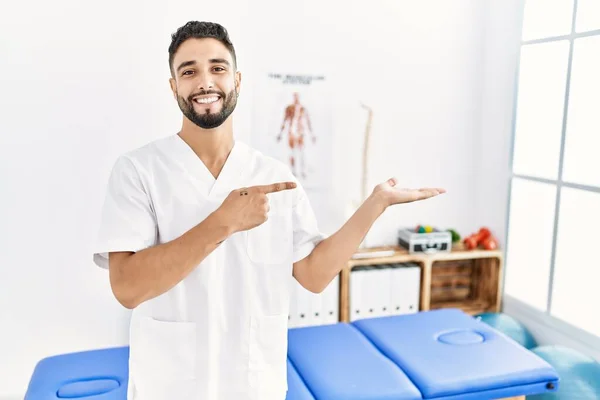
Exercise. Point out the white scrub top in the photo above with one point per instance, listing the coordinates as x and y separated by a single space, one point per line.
221 333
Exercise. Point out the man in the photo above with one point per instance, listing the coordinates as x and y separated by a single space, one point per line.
296 117
202 236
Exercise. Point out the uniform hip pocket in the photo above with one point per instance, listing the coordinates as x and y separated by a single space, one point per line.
271 242
163 359
268 353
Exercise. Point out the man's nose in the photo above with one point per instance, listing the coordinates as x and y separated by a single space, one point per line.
205 82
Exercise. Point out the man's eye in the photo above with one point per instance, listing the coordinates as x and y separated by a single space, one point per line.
186 72
219 69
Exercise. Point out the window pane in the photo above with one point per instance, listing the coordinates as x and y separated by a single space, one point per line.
588 15
575 295
529 244
540 108
546 18
582 164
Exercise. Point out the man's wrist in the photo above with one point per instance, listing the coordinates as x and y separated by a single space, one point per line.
222 226
379 201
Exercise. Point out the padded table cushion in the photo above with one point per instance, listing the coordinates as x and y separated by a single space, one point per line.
78 375
448 353
444 354
97 372
297 390
337 362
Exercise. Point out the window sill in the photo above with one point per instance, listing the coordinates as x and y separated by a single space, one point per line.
549 330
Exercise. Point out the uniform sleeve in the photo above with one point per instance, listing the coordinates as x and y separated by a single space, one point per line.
306 231
128 221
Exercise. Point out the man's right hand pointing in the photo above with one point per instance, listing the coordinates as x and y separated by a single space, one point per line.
246 208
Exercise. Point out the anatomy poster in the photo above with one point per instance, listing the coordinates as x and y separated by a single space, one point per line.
293 123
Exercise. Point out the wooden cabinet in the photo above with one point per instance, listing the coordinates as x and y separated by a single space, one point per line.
466 279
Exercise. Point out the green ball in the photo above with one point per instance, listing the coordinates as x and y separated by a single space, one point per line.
421 229
579 374
510 327
455 235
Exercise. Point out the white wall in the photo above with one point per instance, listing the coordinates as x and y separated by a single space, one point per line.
501 56
83 82
418 64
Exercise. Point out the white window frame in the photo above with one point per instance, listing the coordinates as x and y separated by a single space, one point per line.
544 319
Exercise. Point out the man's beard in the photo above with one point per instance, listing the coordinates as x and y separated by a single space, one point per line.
208 120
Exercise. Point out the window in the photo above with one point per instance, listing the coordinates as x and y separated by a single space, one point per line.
554 207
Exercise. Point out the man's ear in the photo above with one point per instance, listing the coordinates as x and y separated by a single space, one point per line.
173 85
238 81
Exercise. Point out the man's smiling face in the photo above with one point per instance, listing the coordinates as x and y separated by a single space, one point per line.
205 82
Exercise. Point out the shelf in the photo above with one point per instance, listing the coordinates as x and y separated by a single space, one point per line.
400 255
466 279
471 307
447 294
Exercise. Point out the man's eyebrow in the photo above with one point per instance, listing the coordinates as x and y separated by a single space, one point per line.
212 61
219 61
185 64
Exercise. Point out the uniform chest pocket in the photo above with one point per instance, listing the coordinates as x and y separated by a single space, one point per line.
271 242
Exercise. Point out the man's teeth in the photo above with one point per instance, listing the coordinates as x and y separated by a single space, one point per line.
206 100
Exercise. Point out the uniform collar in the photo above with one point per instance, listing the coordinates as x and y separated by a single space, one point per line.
230 174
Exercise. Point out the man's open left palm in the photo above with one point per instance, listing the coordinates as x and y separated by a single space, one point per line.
396 195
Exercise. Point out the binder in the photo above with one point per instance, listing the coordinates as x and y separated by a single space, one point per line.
357 310
379 290
330 302
406 288
413 289
302 306
370 295
385 290
396 289
315 307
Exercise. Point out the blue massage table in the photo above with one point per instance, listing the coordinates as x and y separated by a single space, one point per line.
442 354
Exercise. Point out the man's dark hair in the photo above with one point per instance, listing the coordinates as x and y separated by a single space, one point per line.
200 30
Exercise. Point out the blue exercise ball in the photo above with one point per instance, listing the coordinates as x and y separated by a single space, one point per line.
579 374
510 327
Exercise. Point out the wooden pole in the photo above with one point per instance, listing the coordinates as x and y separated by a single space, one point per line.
365 163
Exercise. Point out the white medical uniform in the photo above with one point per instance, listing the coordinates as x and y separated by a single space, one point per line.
221 333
